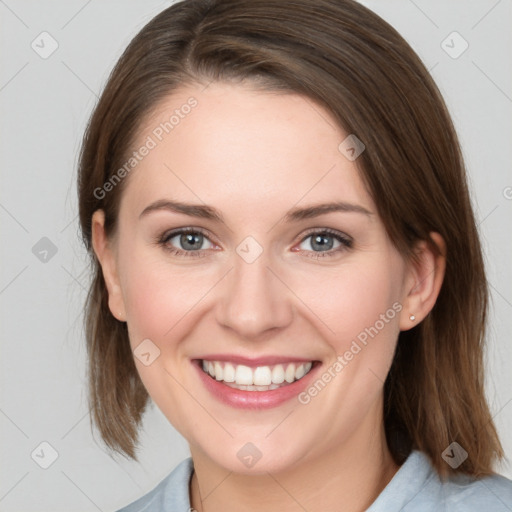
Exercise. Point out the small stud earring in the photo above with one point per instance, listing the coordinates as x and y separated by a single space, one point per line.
412 318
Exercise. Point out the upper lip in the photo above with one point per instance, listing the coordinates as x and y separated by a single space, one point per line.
254 361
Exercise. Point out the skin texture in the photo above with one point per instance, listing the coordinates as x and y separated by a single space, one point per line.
255 155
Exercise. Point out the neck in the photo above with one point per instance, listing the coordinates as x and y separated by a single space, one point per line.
347 477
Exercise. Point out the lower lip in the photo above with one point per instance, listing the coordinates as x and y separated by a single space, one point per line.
254 399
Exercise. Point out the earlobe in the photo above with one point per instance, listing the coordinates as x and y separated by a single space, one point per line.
107 260
424 281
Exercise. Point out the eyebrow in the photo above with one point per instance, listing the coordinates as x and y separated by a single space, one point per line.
294 215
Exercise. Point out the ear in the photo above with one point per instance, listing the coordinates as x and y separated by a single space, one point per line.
107 259
423 281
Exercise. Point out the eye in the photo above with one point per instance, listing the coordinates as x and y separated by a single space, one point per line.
324 243
190 242
186 242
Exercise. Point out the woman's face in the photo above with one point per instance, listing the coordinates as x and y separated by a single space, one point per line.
265 282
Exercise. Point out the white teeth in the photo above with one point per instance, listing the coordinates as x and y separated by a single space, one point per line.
254 388
218 370
243 375
278 374
229 373
289 374
299 372
260 378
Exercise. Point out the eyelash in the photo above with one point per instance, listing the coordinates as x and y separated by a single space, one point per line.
346 243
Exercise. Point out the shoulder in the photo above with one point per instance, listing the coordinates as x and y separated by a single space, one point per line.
171 494
467 493
417 487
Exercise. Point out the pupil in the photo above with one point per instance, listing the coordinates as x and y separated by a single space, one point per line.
189 238
320 242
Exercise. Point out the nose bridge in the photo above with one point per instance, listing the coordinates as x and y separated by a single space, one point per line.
253 300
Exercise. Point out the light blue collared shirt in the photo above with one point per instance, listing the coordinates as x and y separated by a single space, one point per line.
416 487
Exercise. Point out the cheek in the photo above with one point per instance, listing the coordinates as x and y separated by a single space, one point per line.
360 306
161 300
160 296
155 303
354 299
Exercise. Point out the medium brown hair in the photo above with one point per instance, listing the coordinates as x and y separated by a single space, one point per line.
347 59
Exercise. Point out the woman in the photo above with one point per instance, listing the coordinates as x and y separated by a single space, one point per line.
286 262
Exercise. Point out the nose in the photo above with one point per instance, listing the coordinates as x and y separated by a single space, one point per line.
253 299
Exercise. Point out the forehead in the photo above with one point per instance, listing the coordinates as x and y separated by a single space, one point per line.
232 146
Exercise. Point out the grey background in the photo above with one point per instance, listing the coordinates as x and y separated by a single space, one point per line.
44 107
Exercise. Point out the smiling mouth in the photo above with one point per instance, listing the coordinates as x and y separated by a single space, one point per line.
259 378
